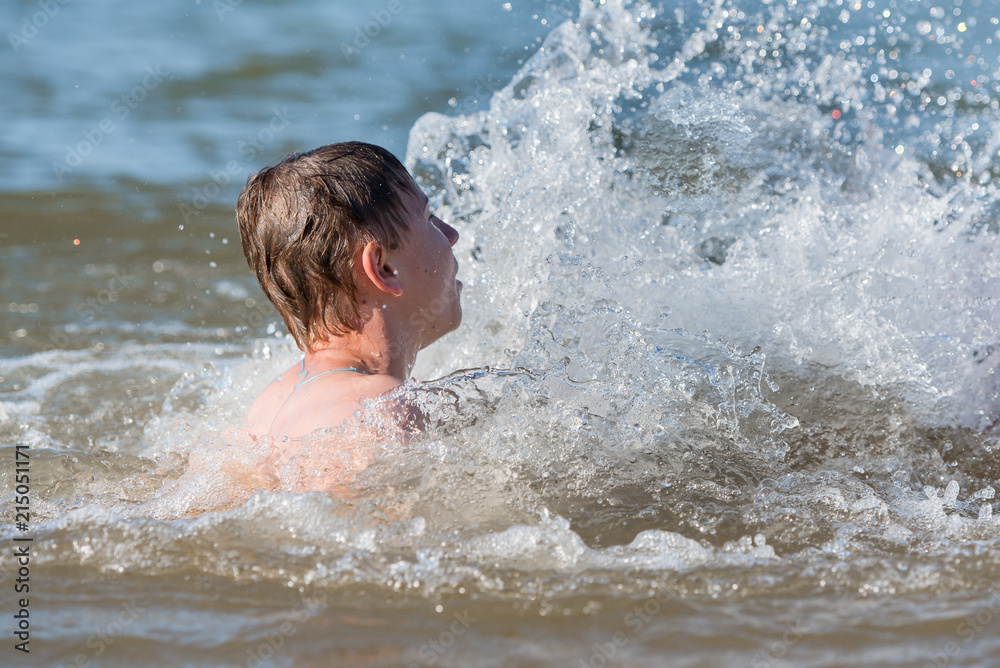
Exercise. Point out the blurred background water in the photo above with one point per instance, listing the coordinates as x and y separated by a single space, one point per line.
731 276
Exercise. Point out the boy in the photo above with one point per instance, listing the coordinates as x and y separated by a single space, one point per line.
343 243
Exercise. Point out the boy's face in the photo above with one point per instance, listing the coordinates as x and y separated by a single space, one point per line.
427 270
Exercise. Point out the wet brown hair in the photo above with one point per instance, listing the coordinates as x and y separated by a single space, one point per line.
301 222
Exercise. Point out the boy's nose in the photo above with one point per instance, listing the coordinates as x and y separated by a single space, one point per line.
450 233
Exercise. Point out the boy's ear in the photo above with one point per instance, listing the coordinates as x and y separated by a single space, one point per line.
379 269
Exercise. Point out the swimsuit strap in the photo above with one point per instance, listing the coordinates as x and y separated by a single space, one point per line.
303 382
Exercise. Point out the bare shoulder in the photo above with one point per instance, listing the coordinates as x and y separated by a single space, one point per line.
289 407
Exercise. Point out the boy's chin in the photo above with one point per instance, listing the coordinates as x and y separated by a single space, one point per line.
455 324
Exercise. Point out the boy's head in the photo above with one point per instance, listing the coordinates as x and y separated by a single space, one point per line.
301 222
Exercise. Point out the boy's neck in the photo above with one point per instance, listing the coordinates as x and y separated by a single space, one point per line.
370 350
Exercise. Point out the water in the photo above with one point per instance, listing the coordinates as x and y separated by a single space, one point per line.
728 383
